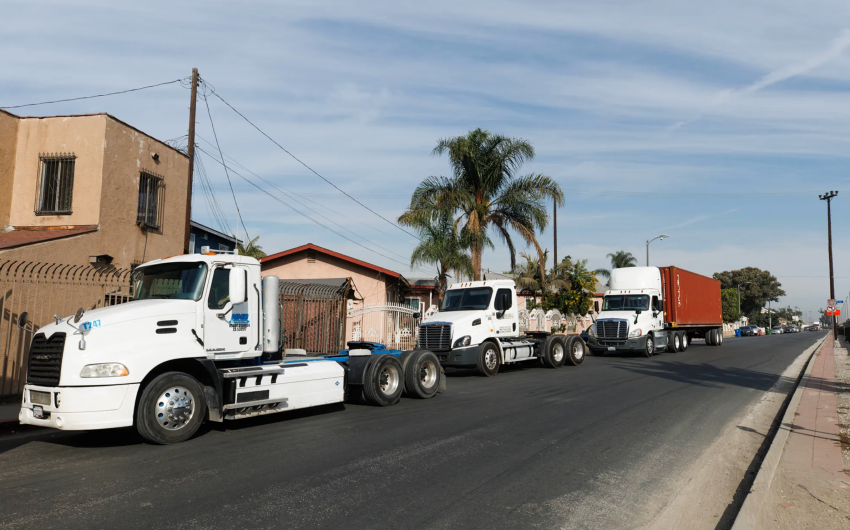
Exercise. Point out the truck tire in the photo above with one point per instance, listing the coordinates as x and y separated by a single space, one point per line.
675 342
488 359
649 349
422 375
686 341
709 337
404 358
554 352
171 409
384 381
576 350
719 337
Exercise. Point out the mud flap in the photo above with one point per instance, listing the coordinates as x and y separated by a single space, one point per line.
442 385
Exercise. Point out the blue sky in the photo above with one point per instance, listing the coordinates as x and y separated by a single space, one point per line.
716 123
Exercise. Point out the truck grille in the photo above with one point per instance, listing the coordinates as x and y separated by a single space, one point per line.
612 329
435 337
45 362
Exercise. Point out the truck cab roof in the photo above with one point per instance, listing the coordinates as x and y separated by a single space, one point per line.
485 283
209 258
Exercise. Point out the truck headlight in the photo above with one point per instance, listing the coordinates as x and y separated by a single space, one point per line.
463 341
104 370
592 330
637 332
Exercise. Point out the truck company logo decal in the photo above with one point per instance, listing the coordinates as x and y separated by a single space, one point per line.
215 349
239 322
88 325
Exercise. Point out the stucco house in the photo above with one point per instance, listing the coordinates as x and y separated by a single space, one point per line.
88 189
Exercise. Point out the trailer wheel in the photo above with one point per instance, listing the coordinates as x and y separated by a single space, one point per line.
554 352
488 359
384 381
719 341
686 341
422 375
675 343
171 408
649 350
576 350
709 337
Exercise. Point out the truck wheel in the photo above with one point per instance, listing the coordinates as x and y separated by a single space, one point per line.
488 359
404 358
384 381
709 337
554 352
649 350
719 337
576 350
675 342
686 341
171 408
422 375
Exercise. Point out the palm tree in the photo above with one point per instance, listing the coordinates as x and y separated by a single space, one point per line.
441 246
528 276
252 249
619 259
487 193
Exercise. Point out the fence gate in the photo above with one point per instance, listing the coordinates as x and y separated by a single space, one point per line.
313 316
43 290
393 325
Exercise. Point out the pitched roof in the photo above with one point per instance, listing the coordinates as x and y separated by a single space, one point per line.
311 246
20 238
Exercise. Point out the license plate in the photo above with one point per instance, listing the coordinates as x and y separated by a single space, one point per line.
41 398
611 348
38 412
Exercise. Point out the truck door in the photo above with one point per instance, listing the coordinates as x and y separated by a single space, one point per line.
658 314
506 321
227 328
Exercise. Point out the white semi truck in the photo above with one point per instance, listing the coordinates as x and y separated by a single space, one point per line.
477 325
200 340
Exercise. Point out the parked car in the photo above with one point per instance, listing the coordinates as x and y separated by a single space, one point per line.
812 328
776 330
749 331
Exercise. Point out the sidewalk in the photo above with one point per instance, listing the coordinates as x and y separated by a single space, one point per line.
810 487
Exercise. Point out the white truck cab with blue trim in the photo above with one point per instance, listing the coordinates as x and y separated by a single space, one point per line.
477 326
200 340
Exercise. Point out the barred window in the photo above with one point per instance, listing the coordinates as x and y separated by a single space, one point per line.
55 184
151 190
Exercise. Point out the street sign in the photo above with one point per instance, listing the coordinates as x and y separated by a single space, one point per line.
839 301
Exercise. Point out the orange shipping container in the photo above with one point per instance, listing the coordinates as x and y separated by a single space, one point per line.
690 299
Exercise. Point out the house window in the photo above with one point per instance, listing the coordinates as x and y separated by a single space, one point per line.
412 302
55 184
151 189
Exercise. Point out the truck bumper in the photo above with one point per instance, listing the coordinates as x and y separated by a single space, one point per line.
82 408
458 357
637 344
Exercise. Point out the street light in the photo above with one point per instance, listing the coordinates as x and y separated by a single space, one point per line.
662 236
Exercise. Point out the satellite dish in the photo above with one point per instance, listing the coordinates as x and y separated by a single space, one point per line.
78 315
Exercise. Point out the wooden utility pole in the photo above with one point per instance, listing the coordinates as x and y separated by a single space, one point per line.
828 196
555 228
190 150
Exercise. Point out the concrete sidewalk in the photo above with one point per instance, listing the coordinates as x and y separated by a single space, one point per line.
810 487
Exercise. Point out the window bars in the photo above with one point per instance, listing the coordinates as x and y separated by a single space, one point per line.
151 195
55 184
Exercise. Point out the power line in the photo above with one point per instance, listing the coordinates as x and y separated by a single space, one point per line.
238 213
313 170
95 96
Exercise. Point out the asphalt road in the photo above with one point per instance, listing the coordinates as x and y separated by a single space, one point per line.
577 447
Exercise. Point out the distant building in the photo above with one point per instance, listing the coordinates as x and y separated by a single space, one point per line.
88 189
203 236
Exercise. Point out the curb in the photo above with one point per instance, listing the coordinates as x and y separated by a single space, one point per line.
751 509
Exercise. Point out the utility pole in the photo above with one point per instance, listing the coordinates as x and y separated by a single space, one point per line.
828 198
740 317
190 151
555 228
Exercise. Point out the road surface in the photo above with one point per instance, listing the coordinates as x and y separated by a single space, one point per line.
594 446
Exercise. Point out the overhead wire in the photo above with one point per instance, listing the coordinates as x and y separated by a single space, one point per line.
311 169
181 81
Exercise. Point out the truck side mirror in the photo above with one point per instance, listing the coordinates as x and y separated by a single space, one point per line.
23 320
238 285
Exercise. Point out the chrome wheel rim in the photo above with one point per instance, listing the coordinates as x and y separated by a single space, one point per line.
490 360
650 345
557 352
684 341
174 408
389 380
428 374
677 343
578 350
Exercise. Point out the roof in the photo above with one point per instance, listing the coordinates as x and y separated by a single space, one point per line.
20 238
205 228
310 246
95 114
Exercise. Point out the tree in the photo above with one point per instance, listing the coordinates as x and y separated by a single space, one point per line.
619 259
729 301
824 319
486 193
529 276
252 249
576 296
440 245
757 288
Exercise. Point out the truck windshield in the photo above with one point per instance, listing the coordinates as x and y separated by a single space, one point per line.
625 302
477 298
180 281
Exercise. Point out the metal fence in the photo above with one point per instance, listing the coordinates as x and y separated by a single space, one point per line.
395 325
313 316
43 290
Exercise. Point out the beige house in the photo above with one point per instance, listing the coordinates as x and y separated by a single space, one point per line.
88 189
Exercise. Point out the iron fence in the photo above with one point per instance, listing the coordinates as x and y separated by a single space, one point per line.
43 290
313 316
